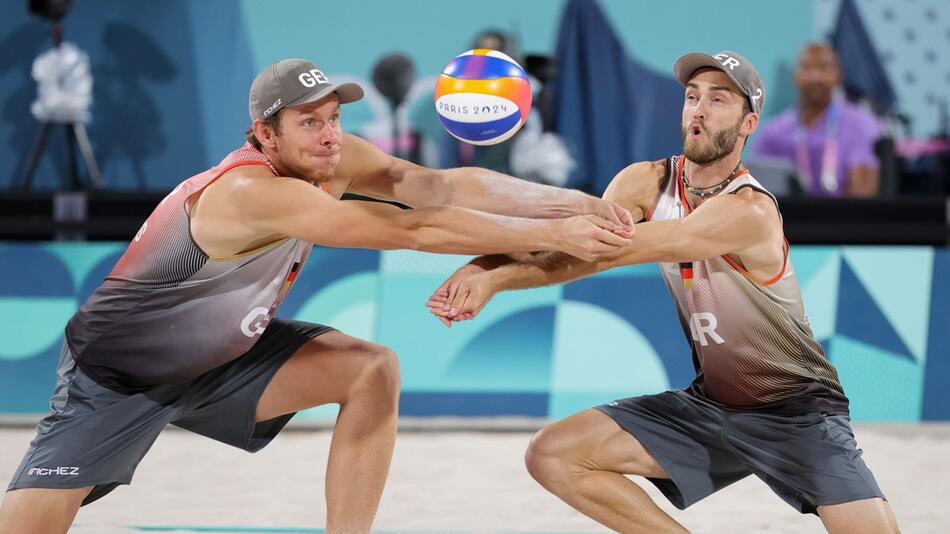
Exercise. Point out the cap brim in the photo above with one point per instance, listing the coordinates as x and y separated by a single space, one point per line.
686 65
347 92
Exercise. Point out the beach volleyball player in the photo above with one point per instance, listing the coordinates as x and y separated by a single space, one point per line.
183 330
765 400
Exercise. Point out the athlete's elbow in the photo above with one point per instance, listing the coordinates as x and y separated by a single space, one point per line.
428 238
401 231
425 230
418 239
442 186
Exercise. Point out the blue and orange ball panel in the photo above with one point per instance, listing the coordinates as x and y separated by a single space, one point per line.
483 97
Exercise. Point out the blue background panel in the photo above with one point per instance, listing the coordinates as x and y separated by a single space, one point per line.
881 312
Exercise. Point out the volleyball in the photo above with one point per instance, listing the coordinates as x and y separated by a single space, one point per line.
483 97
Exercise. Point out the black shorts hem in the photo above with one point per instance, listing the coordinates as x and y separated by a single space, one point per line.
259 434
670 488
808 507
99 489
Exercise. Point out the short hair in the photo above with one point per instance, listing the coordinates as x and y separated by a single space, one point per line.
273 121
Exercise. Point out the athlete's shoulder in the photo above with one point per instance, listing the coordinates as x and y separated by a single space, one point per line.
753 193
244 178
249 189
645 169
360 158
758 204
638 184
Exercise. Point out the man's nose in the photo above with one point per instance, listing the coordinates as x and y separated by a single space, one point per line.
329 136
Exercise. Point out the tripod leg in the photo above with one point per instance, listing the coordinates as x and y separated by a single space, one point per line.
73 162
86 148
34 156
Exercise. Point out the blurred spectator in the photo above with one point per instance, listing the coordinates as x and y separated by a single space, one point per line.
495 40
538 153
829 140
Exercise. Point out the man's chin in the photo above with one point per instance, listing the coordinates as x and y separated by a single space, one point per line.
694 150
702 157
327 169
320 176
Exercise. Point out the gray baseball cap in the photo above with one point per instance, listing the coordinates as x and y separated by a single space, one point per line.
739 69
294 82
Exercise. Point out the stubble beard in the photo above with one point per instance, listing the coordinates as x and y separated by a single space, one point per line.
723 143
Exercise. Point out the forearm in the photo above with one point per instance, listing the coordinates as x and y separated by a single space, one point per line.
381 176
486 190
663 241
655 241
721 226
543 269
464 231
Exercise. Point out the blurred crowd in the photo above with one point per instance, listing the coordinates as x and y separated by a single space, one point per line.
832 142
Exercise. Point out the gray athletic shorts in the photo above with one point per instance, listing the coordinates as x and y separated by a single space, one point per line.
809 460
95 436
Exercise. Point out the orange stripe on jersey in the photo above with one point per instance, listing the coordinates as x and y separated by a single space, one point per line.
754 278
221 173
680 187
648 213
235 165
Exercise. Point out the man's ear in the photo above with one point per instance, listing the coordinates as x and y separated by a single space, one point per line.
749 124
264 133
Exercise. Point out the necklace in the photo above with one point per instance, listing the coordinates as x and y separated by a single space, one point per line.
703 192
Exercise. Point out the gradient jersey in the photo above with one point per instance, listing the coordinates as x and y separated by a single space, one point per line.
168 312
750 338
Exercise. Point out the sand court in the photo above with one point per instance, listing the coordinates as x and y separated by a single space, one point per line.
459 482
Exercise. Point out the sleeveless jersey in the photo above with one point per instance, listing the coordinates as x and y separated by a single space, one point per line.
168 312
751 341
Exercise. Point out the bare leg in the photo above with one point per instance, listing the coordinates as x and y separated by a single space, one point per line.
364 379
40 511
582 460
867 516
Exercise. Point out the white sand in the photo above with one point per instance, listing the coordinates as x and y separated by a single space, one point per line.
463 482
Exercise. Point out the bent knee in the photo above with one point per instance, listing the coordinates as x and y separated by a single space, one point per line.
583 444
548 455
379 369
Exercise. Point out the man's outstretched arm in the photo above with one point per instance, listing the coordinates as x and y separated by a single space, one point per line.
377 174
265 205
744 224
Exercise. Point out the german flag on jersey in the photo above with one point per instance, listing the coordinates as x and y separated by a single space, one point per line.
686 273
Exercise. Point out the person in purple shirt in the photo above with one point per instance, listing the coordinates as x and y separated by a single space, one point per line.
829 140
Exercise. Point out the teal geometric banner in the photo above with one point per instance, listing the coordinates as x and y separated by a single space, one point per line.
881 313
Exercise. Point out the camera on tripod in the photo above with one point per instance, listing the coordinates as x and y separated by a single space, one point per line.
64 96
